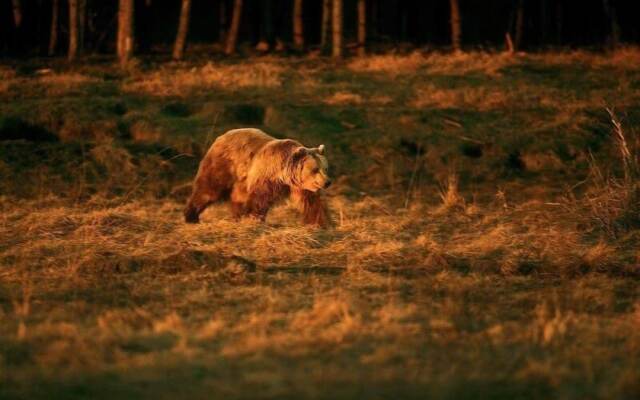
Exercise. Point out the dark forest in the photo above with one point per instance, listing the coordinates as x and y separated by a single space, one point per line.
269 24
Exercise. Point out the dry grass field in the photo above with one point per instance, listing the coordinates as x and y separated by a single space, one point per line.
484 243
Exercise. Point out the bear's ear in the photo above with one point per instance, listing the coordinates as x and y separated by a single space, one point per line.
300 152
321 149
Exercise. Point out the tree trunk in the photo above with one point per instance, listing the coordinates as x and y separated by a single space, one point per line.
232 36
183 29
53 36
73 30
519 25
508 43
362 27
326 23
17 13
125 31
456 25
298 31
337 29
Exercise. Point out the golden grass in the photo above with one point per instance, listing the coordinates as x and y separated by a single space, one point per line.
7 72
483 99
449 194
340 98
523 240
180 81
7 75
51 82
623 58
156 293
390 63
513 97
409 293
61 83
435 62
462 63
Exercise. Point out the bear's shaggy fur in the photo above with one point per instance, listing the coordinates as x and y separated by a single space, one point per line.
254 171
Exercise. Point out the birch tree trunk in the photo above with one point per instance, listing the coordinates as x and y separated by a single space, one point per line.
232 36
337 29
53 35
183 29
298 26
125 31
456 25
362 27
73 30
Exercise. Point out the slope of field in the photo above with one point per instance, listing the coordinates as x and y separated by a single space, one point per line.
484 239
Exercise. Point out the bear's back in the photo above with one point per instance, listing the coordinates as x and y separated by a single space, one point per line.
239 146
241 140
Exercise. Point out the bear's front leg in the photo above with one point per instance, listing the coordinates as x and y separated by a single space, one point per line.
239 199
262 197
312 207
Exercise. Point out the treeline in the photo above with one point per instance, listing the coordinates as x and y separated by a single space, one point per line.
126 27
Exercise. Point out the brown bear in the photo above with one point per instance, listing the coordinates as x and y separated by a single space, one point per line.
254 171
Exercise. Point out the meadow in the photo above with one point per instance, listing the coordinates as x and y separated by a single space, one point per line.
484 240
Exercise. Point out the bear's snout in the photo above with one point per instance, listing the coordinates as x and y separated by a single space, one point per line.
327 183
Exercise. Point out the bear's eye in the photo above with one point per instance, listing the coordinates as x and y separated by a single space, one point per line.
315 170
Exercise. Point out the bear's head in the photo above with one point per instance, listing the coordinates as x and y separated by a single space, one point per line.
310 169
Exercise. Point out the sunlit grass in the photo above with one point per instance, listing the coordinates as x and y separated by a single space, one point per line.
180 81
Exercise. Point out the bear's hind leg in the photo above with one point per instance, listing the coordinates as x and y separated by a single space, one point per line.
212 185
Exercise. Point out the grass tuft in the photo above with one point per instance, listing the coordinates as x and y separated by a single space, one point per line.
614 201
449 194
